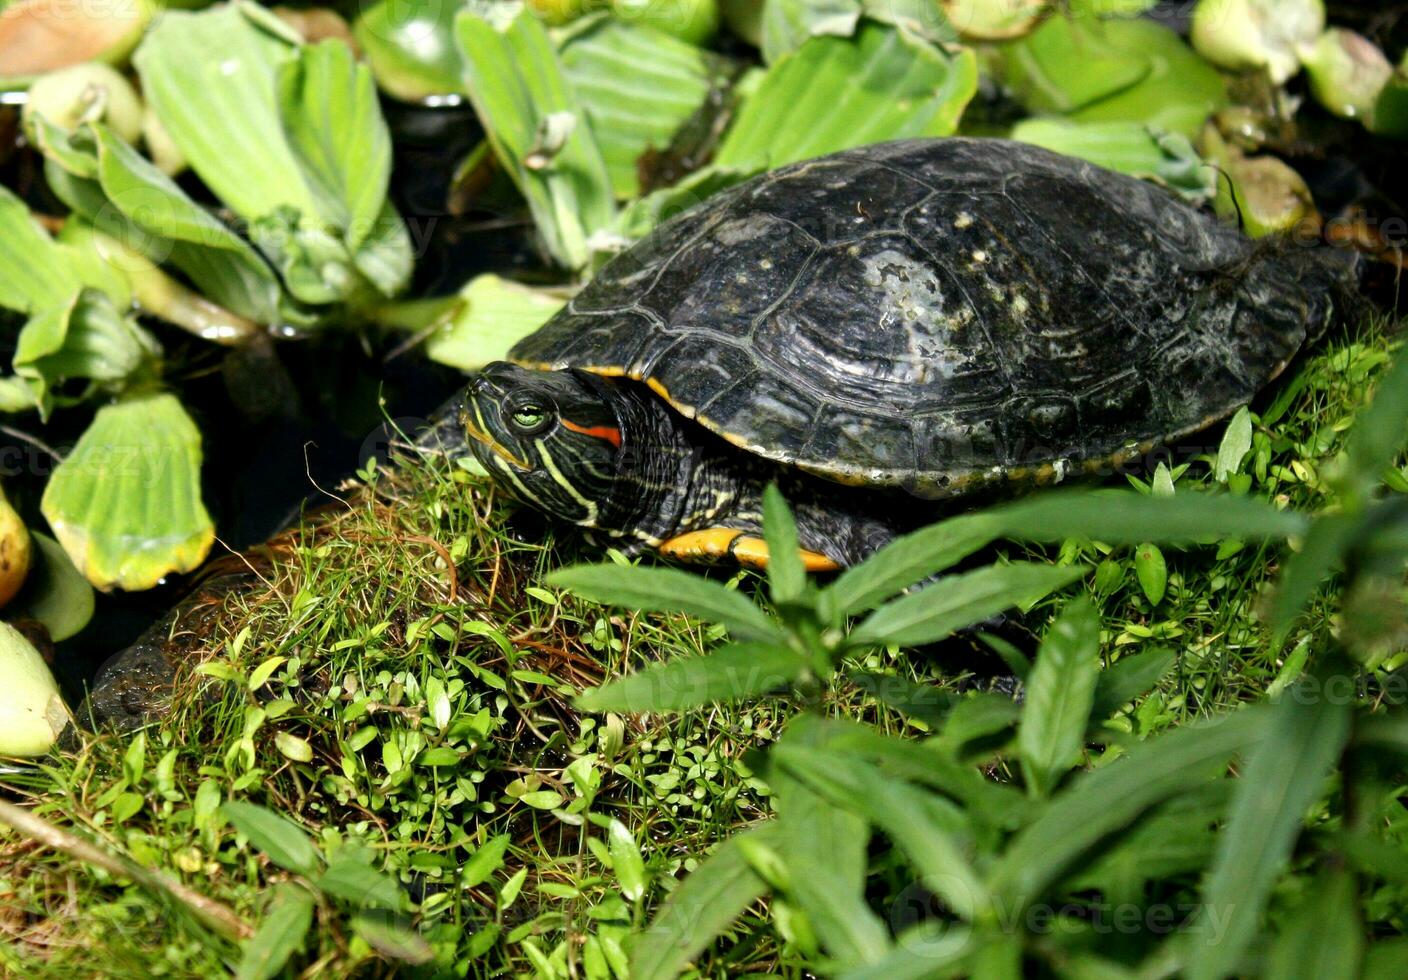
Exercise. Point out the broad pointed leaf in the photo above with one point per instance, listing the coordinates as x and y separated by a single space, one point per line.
733 673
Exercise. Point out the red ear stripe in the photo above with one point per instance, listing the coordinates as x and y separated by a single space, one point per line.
607 432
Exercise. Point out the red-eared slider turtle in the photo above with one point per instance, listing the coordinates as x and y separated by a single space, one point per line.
912 319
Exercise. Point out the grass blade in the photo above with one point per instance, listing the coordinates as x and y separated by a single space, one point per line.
1060 692
1283 776
962 600
738 671
668 590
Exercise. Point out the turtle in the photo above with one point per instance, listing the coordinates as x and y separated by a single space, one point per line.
885 332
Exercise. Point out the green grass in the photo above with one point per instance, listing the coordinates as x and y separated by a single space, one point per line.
398 682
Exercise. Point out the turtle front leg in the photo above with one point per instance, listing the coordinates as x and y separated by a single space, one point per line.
717 544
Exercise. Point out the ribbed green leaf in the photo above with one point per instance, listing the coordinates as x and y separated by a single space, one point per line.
134 202
669 590
33 273
788 24
1284 774
491 315
1128 147
834 93
733 673
638 85
1060 692
328 107
960 600
222 112
538 129
55 593
126 503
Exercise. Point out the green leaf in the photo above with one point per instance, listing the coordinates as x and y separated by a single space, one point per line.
1175 838
910 559
126 502
33 273
1152 572
278 837
484 862
1283 775
1323 936
922 702
640 216
223 113
786 575
280 934
626 862
1378 435
734 673
929 765
700 907
1326 543
1060 692
1128 517
1236 443
55 593
1088 66
1128 678
490 316
538 129
787 24
929 951
834 93
824 853
85 338
958 601
638 86
410 47
134 203
1386 959
351 879
905 814
1066 63
1128 147
392 937
328 107
290 746
669 590
1104 801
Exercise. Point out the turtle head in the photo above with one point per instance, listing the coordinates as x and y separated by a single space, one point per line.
550 438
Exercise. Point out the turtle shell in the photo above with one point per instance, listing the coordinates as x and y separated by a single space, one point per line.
929 314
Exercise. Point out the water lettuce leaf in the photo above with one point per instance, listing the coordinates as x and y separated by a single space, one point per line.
835 93
125 503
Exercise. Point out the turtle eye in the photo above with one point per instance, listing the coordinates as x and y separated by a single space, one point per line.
530 418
